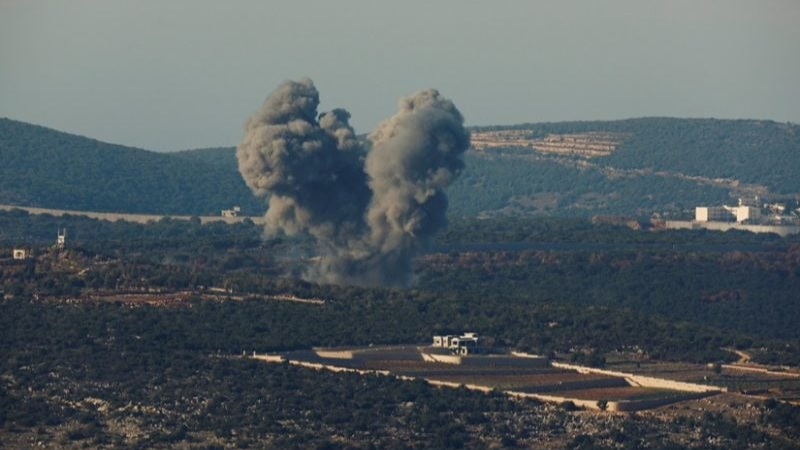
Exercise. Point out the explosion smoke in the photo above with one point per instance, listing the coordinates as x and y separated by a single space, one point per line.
370 208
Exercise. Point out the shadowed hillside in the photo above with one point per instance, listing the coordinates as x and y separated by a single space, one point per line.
48 168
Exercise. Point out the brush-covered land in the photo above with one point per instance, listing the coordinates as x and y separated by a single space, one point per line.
637 167
132 336
136 335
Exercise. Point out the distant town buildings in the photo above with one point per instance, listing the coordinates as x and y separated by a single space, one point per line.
749 215
21 253
747 212
740 214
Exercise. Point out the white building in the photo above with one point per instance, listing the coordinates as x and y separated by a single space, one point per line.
713 214
468 343
741 214
746 214
61 241
20 253
234 212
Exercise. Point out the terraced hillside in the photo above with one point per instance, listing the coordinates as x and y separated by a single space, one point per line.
587 145
640 167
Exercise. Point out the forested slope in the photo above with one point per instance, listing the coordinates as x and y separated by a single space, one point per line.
635 166
499 183
48 168
652 166
752 151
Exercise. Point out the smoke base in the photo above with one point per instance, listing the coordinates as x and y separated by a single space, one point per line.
371 206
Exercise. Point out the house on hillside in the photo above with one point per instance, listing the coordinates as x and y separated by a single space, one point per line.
468 343
233 212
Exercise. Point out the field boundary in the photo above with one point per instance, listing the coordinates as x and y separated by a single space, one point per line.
644 381
596 405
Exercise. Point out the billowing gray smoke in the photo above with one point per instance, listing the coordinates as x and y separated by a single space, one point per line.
370 208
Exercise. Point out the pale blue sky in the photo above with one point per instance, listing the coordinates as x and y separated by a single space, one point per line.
170 75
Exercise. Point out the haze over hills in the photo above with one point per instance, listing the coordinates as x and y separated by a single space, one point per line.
635 167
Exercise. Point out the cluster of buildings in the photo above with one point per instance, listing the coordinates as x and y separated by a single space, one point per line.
749 215
20 254
233 212
466 344
749 211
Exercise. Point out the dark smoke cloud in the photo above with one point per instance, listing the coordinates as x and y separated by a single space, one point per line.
371 208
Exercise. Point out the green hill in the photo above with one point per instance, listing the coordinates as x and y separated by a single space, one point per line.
633 167
503 184
48 168
220 157
752 151
651 165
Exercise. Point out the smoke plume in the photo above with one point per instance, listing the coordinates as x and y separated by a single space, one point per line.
370 207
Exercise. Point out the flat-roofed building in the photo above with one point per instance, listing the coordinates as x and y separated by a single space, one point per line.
746 214
713 214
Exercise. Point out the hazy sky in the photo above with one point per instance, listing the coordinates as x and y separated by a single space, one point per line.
170 75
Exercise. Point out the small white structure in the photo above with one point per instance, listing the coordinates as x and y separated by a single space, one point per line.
468 343
21 253
233 212
61 241
776 208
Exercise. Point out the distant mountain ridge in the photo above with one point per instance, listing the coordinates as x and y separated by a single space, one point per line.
635 167
48 168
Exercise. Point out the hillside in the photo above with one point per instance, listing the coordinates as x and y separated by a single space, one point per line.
221 157
502 183
636 167
48 168
751 151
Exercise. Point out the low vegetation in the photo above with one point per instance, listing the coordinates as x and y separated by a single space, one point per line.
84 366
